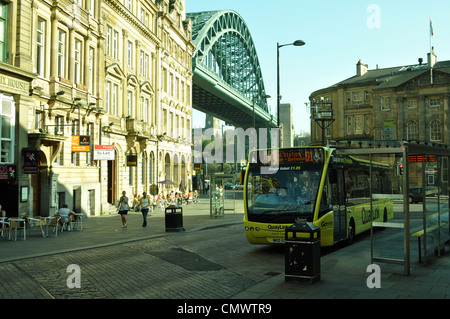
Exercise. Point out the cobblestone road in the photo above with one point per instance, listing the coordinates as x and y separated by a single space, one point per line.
156 268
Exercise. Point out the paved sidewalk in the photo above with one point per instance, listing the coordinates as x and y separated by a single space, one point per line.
344 272
99 231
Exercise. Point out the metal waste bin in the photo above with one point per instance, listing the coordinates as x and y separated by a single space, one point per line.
302 253
174 218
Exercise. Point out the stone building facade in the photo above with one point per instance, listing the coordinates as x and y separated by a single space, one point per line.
114 74
405 103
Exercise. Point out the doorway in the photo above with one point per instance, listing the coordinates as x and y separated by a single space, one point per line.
338 202
112 182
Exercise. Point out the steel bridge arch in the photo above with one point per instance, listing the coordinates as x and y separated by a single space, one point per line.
225 47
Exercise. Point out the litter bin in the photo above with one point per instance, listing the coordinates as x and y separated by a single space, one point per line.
174 218
302 253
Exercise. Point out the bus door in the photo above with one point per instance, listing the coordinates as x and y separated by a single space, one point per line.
338 202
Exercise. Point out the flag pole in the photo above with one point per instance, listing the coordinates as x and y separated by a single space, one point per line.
431 51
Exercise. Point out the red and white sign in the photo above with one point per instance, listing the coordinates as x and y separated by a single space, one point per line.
104 153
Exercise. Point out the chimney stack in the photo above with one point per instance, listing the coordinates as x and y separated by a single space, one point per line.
361 68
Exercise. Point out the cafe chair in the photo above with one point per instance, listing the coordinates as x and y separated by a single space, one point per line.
18 225
76 222
5 227
37 222
54 224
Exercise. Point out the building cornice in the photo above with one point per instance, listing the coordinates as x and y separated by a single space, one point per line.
135 23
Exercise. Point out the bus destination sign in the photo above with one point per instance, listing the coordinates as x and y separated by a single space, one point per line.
300 155
287 156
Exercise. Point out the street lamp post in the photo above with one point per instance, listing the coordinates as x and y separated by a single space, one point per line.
297 43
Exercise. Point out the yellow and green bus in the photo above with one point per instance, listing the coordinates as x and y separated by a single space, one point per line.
341 194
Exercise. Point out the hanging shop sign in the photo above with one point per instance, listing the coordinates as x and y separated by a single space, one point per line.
30 161
131 159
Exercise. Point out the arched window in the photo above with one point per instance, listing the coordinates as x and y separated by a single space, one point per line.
144 166
412 131
435 130
167 166
175 169
150 168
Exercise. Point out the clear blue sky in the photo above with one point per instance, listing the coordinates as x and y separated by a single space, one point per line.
337 35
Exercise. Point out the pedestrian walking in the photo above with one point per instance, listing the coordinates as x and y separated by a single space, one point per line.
145 203
123 208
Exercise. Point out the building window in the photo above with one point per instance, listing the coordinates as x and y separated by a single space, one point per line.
108 39
412 131
435 131
130 54
130 174
141 107
164 120
367 124
148 111
61 71
108 96
40 47
349 125
411 104
164 84
7 124
141 63
91 69
3 30
347 98
130 5
59 125
144 165
115 45
115 99
146 65
92 7
77 62
150 168
357 96
75 158
434 102
89 132
385 103
129 102
111 97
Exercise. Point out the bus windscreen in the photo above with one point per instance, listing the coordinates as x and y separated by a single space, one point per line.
284 196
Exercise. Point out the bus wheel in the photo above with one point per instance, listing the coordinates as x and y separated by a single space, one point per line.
351 232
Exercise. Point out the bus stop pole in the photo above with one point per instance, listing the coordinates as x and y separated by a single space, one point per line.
406 236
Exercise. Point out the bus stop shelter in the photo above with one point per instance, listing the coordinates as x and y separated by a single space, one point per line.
420 192
222 195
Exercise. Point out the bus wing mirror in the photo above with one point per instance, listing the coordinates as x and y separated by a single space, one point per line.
241 177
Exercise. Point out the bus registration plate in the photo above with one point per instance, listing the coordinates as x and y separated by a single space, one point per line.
277 240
